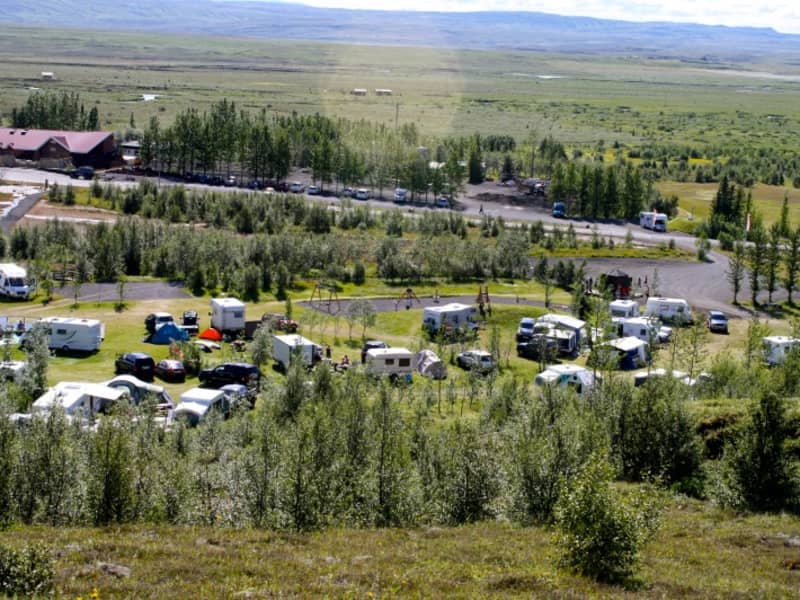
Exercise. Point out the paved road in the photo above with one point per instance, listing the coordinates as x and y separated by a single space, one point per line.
15 214
703 284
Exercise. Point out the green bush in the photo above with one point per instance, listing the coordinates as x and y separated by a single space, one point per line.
26 572
599 531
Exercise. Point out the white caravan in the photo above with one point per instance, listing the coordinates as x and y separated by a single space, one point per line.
393 362
284 347
623 309
227 314
449 316
566 376
428 364
196 404
566 339
69 334
653 220
646 329
79 400
669 309
565 323
776 347
14 281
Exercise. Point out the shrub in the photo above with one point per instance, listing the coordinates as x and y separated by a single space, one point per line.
26 572
600 532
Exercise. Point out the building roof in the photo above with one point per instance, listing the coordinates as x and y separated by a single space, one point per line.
30 140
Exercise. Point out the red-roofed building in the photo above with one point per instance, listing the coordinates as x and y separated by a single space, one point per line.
94 148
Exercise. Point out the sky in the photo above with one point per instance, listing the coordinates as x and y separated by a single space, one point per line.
781 15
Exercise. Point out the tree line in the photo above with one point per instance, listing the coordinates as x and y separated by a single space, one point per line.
51 110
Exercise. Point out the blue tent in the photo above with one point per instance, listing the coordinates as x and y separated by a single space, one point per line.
168 332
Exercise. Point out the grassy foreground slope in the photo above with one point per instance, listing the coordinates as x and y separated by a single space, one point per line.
699 553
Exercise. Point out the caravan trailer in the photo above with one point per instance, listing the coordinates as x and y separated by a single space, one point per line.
565 323
777 347
78 399
646 329
69 334
623 309
449 317
393 362
566 376
284 347
669 309
227 315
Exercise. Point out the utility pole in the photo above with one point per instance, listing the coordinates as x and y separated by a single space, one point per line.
396 114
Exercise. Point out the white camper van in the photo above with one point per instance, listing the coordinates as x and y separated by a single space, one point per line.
197 403
284 346
776 347
669 309
653 220
227 314
69 334
449 317
623 309
567 376
393 362
14 281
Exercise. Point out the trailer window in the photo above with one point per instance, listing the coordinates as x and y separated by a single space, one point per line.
238 314
61 332
404 362
389 361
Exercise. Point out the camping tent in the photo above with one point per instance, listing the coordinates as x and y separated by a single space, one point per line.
211 334
167 333
430 365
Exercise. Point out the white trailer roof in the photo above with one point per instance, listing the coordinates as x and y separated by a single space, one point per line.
295 339
70 321
12 270
227 302
445 308
389 352
565 320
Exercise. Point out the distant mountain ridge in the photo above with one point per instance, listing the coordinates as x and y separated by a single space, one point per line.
482 30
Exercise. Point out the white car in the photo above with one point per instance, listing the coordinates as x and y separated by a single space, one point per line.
314 190
479 360
296 187
362 194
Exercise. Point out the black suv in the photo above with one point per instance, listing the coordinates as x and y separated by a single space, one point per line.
226 373
138 364
538 347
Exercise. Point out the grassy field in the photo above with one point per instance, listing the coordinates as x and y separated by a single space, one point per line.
700 552
576 99
696 198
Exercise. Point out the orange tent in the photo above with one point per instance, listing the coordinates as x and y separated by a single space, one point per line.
211 334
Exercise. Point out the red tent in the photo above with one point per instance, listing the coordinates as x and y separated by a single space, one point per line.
211 334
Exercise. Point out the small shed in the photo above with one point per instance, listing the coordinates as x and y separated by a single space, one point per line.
617 282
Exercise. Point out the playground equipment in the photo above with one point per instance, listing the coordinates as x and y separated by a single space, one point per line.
483 301
317 293
408 296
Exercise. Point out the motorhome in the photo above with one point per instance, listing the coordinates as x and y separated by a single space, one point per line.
647 329
70 334
449 317
79 400
284 348
653 220
393 362
14 282
623 309
674 310
566 376
777 347
227 315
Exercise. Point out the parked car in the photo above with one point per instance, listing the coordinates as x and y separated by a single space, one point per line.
155 320
239 395
198 403
296 187
479 360
280 322
170 370
139 364
348 192
443 202
244 373
717 322
231 181
400 195
314 190
84 172
538 347
362 194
